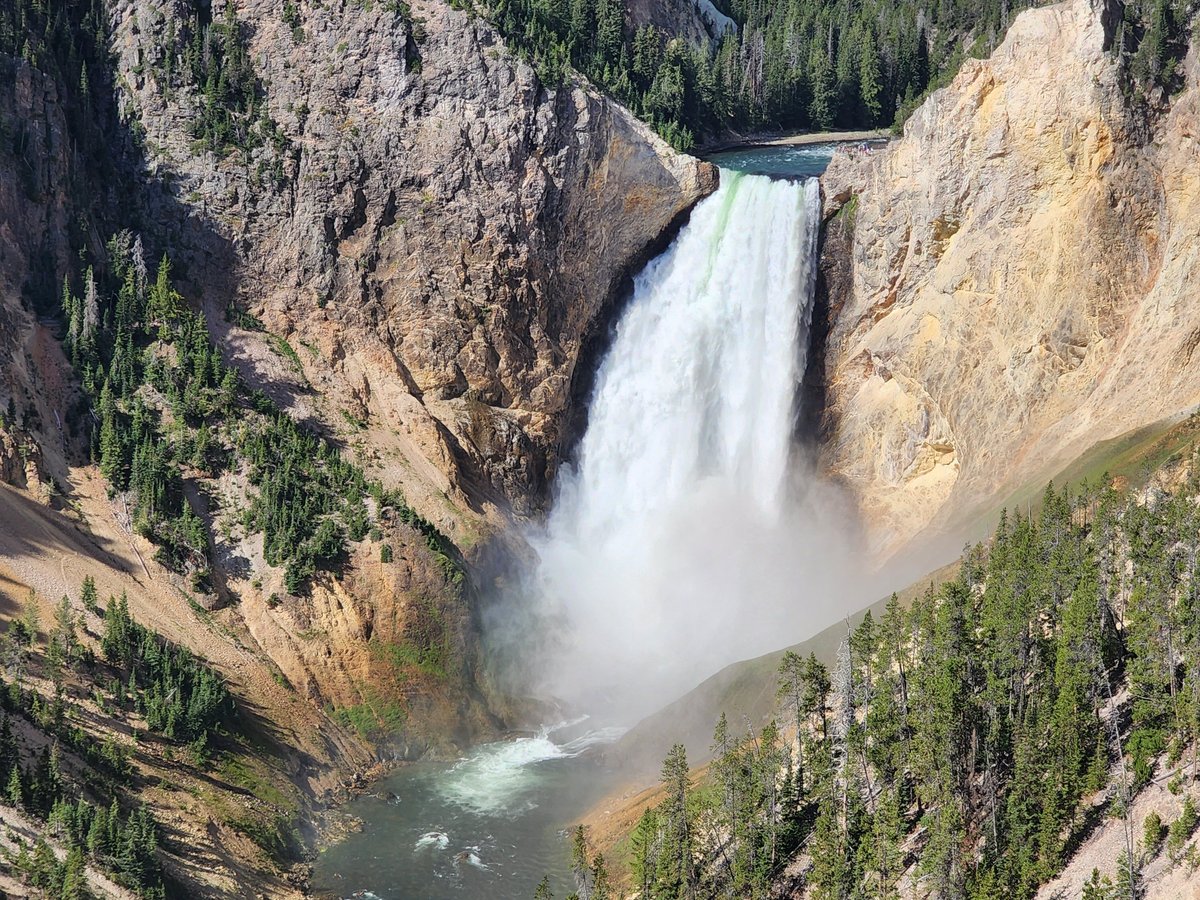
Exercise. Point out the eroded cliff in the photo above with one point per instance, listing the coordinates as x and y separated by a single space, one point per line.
442 242
429 236
411 256
1009 283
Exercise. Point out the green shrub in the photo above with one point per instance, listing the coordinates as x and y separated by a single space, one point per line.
1153 833
1181 829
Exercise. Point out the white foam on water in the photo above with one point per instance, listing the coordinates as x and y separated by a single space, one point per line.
471 857
502 778
432 840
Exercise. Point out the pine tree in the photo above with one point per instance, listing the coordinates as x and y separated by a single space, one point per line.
64 635
791 690
676 872
88 596
647 849
9 757
112 450
15 791
74 877
870 87
821 106
581 868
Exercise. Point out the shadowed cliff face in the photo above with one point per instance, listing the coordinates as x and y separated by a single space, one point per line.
696 21
447 237
33 246
1020 271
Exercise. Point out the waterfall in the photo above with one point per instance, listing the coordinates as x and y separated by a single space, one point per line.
670 548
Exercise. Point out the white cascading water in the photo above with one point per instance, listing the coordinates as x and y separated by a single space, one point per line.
671 540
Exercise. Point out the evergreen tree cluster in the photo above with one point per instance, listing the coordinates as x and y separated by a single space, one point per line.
123 844
35 788
210 57
589 872
68 43
54 715
1151 39
128 332
967 739
801 64
302 482
180 697
68 39
169 410
789 64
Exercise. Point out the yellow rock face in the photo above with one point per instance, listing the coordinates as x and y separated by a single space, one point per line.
1021 283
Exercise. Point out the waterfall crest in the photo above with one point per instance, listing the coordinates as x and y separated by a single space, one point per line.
671 532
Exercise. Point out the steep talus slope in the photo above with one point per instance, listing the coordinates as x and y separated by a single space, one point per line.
284 751
445 238
1020 271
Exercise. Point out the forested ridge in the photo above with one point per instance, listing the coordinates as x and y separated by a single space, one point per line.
196 459
169 410
785 65
969 743
163 410
803 64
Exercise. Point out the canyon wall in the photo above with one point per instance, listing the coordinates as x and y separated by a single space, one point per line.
444 241
418 261
1012 281
431 239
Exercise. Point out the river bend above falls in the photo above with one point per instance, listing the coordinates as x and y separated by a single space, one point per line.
493 824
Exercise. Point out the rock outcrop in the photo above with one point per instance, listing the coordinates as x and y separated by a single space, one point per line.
35 389
698 22
448 237
1021 271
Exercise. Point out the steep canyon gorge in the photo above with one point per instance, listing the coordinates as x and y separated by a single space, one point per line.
423 260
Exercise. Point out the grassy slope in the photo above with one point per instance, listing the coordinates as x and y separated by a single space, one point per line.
744 691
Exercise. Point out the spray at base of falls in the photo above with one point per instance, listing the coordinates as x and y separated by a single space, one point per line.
687 534
489 825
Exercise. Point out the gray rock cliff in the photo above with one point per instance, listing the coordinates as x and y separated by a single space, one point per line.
446 239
